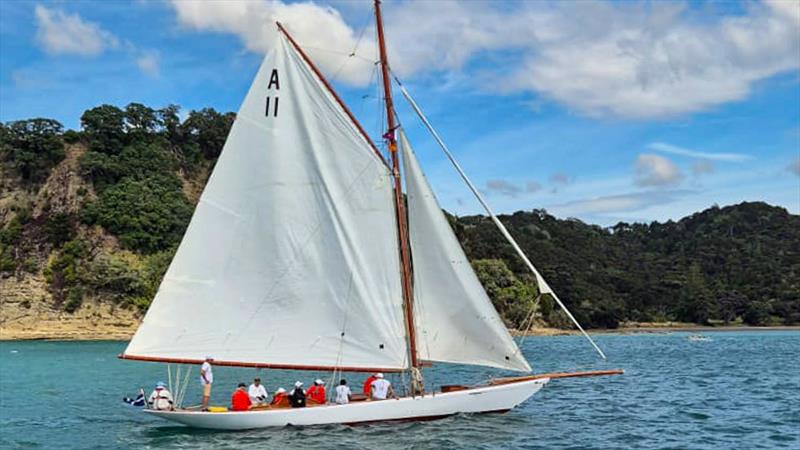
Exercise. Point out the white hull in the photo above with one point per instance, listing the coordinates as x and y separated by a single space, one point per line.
498 398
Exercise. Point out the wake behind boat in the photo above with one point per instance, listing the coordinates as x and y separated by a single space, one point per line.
303 220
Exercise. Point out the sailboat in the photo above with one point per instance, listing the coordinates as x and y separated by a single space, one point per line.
301 255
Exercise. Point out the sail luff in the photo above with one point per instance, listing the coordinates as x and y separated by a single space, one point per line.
402 225
332 91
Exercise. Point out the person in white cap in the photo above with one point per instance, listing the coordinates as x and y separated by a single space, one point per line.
381 388
316 393
279 398
297 396
206 379
160 399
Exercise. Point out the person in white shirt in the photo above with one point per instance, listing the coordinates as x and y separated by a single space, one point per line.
206 379
343 393
257 393
160 399
381 388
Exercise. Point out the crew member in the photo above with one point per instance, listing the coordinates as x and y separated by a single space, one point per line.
316 393
206 379
297 397
368 385
160 399
240 401
381 388
343 393
279 398
257 392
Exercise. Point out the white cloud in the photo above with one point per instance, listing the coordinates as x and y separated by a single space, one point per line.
656 60
655 170
618 203
675 150
62 33
148 63
320 30
624 59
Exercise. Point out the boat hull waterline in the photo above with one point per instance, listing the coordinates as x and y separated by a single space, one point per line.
430 406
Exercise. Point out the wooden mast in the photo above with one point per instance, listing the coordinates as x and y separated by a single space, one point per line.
402 226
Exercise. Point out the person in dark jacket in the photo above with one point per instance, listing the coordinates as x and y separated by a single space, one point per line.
297 396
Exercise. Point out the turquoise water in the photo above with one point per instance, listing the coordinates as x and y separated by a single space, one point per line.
739 390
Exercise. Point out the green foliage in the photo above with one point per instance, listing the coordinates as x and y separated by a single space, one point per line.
513 298
32 147
59 228
208 129
147 215
740 262
104 127
140 160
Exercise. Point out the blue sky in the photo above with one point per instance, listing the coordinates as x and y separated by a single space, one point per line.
601 111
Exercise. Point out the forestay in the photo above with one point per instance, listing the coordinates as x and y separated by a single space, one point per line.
454 318
291 256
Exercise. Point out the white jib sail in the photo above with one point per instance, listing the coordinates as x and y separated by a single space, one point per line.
455 320
291 256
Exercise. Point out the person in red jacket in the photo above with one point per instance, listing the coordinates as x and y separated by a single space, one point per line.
240 401
368 385
316 393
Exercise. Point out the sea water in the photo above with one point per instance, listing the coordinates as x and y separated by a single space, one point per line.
738 390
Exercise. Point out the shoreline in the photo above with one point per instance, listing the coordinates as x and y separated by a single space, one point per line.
655 328
650 328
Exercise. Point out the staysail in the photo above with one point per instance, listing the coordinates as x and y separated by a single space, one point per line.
291 256
455 320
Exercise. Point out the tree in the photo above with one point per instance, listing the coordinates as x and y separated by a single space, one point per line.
104 126
208 129
32 147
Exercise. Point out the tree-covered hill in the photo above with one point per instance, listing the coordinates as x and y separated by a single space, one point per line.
94 217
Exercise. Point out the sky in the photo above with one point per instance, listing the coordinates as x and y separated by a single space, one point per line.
601 111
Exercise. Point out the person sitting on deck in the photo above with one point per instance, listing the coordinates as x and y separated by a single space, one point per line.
257 392
279 399
240 401
138 401
343 393
381 388
160 398
368 385
316 393
297 397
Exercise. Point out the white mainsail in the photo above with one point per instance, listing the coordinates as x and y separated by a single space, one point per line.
455 320
291 256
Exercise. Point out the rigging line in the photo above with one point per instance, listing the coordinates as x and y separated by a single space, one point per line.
543 286
355 48
530 320
338 52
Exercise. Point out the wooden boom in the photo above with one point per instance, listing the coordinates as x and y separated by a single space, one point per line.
591 373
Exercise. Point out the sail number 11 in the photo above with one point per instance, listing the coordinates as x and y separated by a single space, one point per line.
271 108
